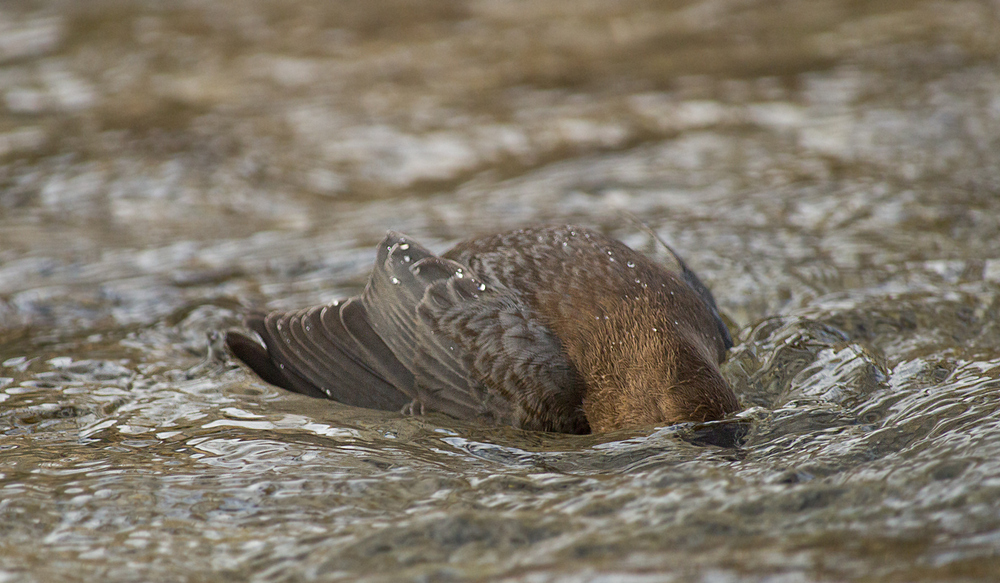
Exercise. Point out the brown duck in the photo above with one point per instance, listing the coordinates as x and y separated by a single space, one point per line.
548 329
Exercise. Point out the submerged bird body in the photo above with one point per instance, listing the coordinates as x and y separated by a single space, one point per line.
552 329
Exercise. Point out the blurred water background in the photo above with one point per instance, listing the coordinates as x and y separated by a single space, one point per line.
831 168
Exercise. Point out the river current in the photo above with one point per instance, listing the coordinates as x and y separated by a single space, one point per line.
831 170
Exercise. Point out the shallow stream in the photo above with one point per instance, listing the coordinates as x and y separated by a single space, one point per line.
831 169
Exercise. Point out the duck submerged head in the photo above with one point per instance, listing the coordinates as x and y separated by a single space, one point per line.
646 365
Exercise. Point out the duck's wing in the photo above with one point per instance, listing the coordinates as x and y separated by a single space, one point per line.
475 349
409 289
325 351
425 331
384 349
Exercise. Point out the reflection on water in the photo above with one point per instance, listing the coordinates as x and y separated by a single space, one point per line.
830 169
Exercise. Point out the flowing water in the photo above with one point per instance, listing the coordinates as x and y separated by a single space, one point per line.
830 168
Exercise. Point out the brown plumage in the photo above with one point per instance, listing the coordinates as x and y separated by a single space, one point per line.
551 329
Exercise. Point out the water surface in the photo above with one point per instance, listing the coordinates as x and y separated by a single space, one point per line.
829 168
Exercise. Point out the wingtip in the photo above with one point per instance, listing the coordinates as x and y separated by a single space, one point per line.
255 355
393 238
